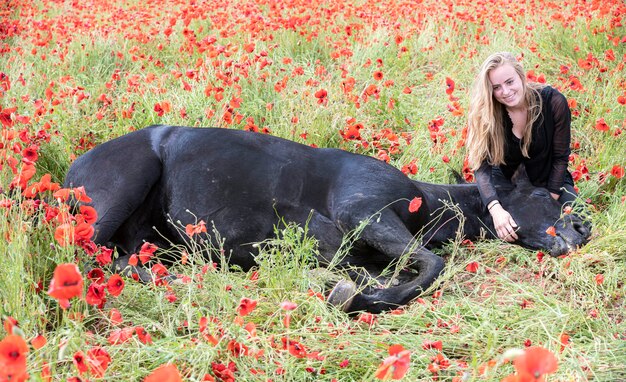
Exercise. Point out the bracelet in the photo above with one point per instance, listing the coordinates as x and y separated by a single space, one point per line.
492 204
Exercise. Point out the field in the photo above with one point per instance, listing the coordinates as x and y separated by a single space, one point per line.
389 79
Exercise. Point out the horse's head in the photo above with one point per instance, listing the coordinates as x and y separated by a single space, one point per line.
535 211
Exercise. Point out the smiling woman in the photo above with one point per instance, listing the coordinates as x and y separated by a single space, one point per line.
514 122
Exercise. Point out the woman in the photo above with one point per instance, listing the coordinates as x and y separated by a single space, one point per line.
513 122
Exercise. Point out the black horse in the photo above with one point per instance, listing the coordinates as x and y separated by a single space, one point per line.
245 183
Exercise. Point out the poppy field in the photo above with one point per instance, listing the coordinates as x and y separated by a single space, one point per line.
389 79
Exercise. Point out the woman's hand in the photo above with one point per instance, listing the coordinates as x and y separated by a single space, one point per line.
504 223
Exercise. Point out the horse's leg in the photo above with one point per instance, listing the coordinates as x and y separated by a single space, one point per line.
390 237
380 300
330 240
117 176
389 240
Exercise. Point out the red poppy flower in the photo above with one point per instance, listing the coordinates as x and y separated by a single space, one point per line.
246 306
9 324
80 362
352 132
249 47
449 85
551 231
98 360
251 328
146 252
45 184
223 372
46 374
410 168
89 214
396 365
367 318
455 108
5 116
535 363
30 154
164 373
372 90
160 270
115 317
321 96
96 294
472 267
120 336
237 349
564 340
295 348
26 174
96 275
64 234
415 204
104 256
6 203
617 171
601 125
67 282
39 341
115 285
83 231
540 256
378 75
162 107
193 229
587 63
432 345
78 193
575 84
599 278
210 338
609 55
143 335
13 351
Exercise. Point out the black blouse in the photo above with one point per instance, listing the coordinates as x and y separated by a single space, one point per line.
549 150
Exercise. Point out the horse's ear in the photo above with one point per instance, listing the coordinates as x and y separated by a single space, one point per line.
520 178
458 178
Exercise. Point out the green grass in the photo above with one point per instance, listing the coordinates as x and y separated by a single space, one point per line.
122 59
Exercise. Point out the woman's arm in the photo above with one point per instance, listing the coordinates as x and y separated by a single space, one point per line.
503 222
561 115
485 186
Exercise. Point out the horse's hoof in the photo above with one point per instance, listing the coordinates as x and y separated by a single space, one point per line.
342 295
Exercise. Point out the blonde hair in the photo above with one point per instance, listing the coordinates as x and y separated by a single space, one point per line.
486 135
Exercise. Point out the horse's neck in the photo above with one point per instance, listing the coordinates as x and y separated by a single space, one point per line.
455 208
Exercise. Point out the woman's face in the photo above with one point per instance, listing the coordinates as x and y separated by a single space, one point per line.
507 86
